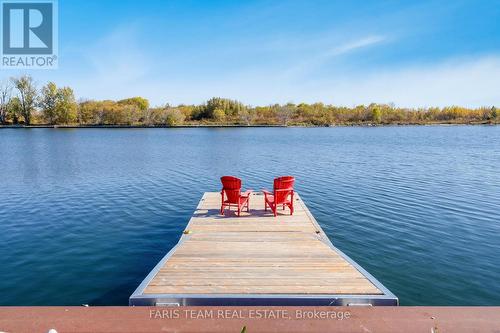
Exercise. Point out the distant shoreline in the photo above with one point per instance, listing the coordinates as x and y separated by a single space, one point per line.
21 103
246 126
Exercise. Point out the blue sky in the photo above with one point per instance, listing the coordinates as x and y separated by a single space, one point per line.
411 53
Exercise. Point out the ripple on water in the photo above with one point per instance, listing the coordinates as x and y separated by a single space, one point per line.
86 214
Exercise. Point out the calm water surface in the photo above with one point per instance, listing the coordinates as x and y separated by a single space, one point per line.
85 214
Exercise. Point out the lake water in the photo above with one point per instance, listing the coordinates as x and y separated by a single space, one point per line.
85 214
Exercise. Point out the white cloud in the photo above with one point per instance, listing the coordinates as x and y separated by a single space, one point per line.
354 45
324 56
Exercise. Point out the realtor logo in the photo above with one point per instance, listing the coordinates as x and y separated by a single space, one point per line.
29 34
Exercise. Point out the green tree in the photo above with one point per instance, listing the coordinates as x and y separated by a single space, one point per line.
58 105
376 114
230 107
14 110
141 103
48 103
66 107
27 96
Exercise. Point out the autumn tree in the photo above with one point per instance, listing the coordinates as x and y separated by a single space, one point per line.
247 116
231 108
284 113
141 103
86 113
27 94
66 107
376 114
219 115
58 105
48 102
173 116
5 97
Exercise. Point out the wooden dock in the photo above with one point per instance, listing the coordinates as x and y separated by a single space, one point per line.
257 259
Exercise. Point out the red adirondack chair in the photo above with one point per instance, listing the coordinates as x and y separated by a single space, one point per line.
231 194
282 194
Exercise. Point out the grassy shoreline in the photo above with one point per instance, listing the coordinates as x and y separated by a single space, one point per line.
248 126
23 103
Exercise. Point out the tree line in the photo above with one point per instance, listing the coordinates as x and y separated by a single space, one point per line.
21 102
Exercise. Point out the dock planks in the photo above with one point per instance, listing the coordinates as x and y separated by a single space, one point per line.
256 254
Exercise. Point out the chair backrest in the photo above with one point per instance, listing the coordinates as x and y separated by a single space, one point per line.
283 183
231 186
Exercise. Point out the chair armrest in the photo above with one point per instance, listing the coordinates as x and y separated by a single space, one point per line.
246 193
284 190
266 192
